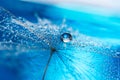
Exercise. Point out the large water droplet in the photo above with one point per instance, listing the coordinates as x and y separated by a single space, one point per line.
66 37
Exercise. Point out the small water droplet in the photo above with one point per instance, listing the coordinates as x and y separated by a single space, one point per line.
66 37
118 54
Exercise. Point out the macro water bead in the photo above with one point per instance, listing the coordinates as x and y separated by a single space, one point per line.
66 37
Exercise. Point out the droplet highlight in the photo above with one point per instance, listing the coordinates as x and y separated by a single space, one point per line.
66 37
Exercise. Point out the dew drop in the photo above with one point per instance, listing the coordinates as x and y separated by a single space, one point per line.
66 37
118 54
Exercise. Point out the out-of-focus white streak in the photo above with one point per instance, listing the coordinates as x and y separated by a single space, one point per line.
94 6
98 3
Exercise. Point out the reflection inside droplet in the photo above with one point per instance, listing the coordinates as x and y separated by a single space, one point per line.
66 37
